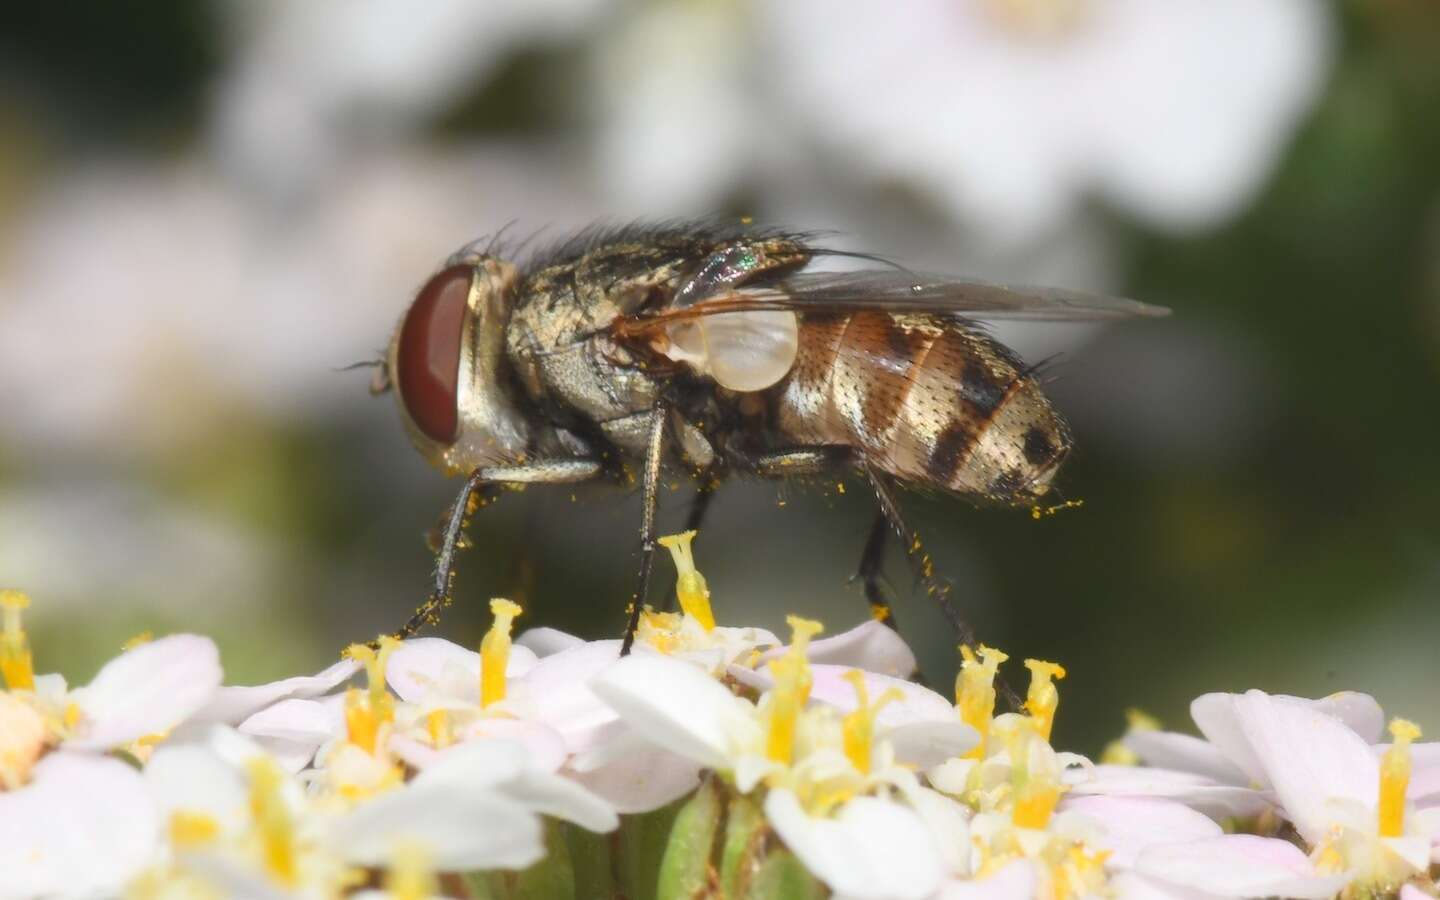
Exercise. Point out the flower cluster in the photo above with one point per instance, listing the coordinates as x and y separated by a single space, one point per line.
712 761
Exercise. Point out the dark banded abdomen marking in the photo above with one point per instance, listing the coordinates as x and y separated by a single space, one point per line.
927 400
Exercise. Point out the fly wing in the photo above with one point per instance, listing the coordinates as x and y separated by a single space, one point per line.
899 291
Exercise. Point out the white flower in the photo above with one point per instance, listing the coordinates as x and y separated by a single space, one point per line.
82 827
1012 111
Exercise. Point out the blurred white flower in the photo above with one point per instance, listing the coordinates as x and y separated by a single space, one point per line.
1011 112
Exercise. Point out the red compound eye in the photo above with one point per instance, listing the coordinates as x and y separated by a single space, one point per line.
428 358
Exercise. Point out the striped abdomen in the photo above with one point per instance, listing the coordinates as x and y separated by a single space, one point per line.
925 398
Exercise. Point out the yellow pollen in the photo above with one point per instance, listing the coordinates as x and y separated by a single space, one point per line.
690 585
273 823
71 717
411 875
16 665
1042 698
1395 778
858 726
495 651
361 726
791 691
975 692
23 736
192 829
138 640
437 723
366 711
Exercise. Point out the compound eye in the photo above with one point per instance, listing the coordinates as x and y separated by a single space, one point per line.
427 359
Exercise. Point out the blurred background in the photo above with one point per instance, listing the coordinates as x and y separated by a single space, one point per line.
207 209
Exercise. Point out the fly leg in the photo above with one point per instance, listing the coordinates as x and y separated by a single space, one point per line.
485 481
699 505
872 560
654 452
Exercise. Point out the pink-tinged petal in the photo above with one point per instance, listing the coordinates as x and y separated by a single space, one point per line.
1015 881
1361 713
461 829
1411 892
1184 753
927 744
545 642
293 730
557 692
232 705
84 826
1309 758
870 850
561 798
1215 716
421 666
642 780
1134 886
147 690
872 646
1129 825
949 825
1240 865
1195 791
674 705
544 747
192 778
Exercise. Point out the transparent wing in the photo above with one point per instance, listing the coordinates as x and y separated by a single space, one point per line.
900 291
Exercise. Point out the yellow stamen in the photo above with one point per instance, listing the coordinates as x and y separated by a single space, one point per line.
192 829
23 737
791 691
366 711
412 874
975 692
1035 794
273 823
1042 698
690 585
495 651
437 723
1395 778
16 664
1115 752
858 726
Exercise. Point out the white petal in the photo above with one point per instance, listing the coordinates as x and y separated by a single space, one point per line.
642 780
1240 865
1215 716
545 642
557 692
420 665
1134 886
193 778
1184 753
232 705
1197 792
297 720
1016 881
1308 757
1360 712
927 744
674 705
1129 825
870 850
872 646
460 829
84 826
949 825
147 690
554 795
544 747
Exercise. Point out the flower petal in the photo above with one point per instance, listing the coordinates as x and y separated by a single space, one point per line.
557 692
84 826
1309 757
147 690
232 705
643 779
871 646
871 849
1359 712
1184 753
674 705
459 828
1240 865
1015 881
1129 825
192 778
1199 793
545 642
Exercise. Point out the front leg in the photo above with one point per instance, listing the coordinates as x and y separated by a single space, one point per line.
486 478
654 453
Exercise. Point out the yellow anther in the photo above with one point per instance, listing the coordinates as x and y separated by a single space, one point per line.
975 692
858 726
495 651
23 737
791 691
412 874
274 826
437 723
690 585
138 640
1042 698
1395 778
1034 792
192 829
16 664
368 710
1115 752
